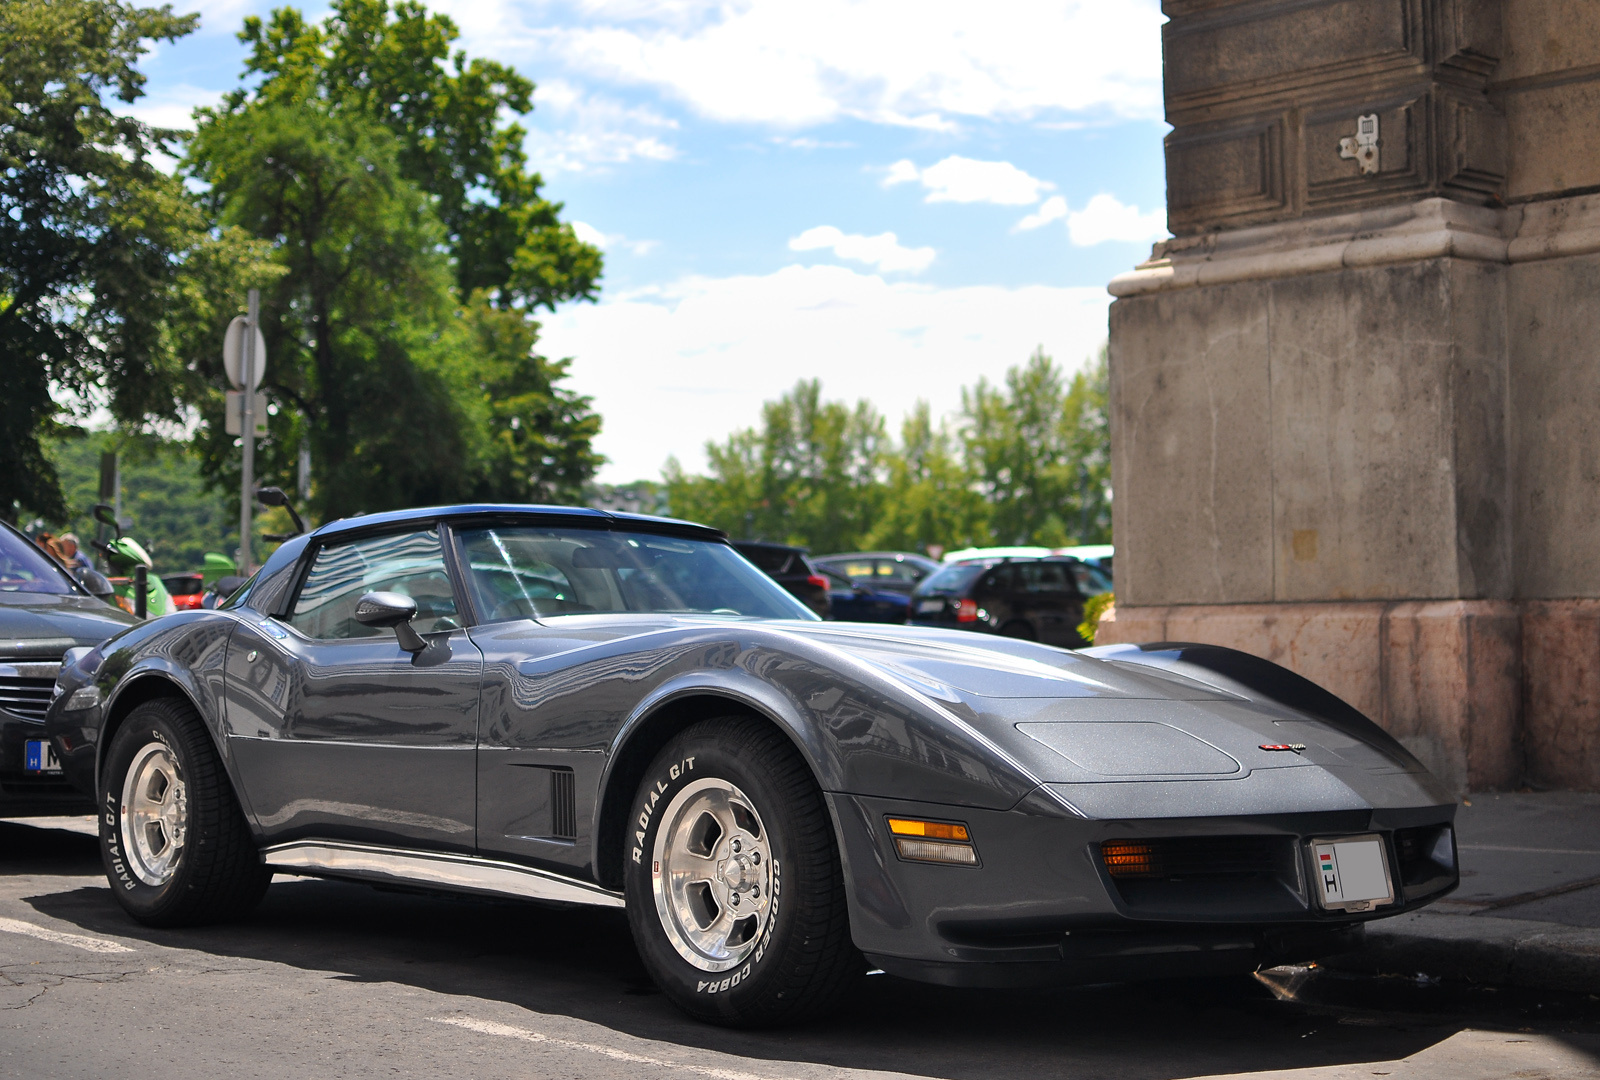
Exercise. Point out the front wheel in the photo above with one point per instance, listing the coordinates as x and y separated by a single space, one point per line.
176 847
734 888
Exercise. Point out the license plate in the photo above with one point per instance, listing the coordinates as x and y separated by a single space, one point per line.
39 756
1352 873
926 607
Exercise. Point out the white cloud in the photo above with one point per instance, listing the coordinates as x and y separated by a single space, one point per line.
968 180
1106 218
171 107
611 241
1054 208
916 62
884 251
672 367
588 131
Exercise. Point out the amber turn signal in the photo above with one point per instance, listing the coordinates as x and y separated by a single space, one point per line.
933 830
1127 858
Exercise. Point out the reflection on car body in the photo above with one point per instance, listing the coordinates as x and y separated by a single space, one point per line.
578 707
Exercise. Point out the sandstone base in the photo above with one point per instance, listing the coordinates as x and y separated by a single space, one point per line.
1489 694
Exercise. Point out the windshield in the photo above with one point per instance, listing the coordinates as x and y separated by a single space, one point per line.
523 571
953 579
24 568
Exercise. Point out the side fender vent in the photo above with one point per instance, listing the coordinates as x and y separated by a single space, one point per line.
563 805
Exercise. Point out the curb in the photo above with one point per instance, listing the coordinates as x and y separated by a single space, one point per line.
1483 949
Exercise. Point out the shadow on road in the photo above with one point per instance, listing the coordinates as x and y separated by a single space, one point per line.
581 963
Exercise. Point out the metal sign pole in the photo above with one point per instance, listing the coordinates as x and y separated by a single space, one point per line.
248 414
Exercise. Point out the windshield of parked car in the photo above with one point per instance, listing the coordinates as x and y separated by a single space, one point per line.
24 568
954 578
519 572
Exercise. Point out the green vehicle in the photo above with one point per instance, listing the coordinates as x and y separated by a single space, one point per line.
123 555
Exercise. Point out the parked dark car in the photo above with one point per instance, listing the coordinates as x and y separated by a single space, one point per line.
790 567
606 709
866 601
1033 599
44 611
895 571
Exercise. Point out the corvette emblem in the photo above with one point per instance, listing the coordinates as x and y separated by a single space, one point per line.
1294 747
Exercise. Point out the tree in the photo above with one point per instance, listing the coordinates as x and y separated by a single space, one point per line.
1031 465
930 499
95 241
812 475
1040 452
392 64
401 351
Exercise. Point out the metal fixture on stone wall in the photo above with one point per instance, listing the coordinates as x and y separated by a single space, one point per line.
1362 147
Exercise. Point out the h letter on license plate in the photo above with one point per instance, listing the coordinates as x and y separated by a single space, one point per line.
39 756
1351 873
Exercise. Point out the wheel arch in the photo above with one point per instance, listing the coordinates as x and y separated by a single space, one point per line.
652 726
141 686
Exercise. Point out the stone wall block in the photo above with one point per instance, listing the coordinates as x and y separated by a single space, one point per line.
1561 688
1190 446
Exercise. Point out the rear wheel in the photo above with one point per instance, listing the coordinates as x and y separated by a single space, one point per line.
176 847
734 888
1018 629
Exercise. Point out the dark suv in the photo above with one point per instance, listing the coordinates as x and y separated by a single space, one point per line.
790 567
1037 599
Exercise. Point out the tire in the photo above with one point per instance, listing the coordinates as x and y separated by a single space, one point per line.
1020 630
732 799
193 861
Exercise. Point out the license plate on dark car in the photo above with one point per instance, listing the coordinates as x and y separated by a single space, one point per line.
39 756
1352 873
927 607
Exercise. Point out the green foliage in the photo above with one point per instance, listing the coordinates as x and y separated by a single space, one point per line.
392 65
929 499
171 514
1094 609
95 241
398 207
1040 449
1030 464
812 475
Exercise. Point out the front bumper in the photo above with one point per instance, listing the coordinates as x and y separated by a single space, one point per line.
1041 906
25 794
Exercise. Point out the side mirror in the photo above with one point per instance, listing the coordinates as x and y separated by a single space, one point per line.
272 496
391 609
96 583
106 514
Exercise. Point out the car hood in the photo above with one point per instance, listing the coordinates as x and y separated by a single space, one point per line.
45 625
1074 720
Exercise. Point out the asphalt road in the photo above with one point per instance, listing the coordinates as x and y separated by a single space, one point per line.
333 980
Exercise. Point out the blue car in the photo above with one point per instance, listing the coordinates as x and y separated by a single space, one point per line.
863 600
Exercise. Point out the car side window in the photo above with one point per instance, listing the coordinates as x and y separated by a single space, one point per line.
1044 577
859 570
891 570
408 563
1091 580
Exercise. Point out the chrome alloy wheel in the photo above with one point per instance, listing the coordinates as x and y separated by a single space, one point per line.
711 873
155 805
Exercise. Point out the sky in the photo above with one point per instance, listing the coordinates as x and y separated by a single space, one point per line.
897 197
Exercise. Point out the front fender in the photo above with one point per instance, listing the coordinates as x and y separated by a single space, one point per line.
184 653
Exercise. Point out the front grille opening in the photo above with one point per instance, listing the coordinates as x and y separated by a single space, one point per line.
28 697
1425 853
1195 857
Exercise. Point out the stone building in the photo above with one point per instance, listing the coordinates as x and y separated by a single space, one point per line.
1356 398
